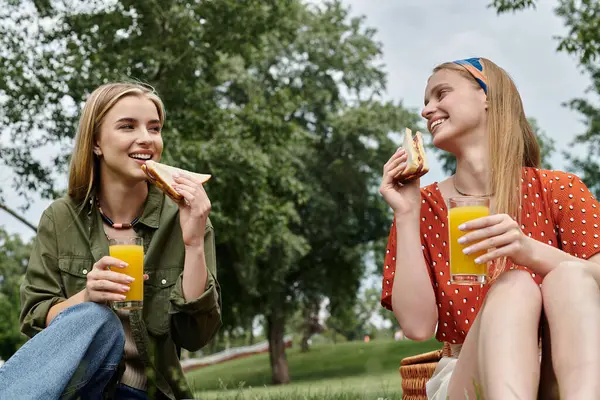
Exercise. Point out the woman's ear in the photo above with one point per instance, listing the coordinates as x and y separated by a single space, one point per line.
97 150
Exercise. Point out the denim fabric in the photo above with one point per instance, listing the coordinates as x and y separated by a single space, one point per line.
74 357
125 392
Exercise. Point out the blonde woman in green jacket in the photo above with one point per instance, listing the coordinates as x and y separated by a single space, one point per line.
80 346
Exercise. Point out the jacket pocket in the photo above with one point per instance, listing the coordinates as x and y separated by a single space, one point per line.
157 291
73 273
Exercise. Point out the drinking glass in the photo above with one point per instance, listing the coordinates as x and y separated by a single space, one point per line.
463 269
131 251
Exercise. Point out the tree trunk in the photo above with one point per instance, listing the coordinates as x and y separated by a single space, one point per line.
251 334
307 330
279 364
310 324
304 343
214 342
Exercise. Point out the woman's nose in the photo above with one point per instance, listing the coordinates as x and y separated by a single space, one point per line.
144 136
427 111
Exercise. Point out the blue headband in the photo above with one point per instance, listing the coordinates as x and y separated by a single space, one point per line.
475 68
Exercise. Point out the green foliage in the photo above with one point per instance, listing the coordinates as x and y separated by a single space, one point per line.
580 18
585 159
277 99
353 320
504 6
387 315
13 260
583 39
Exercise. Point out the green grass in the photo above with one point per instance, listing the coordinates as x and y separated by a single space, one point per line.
345 371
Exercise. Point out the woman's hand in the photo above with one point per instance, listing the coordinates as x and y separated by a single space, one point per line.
104 285
500 233
402 198
193 211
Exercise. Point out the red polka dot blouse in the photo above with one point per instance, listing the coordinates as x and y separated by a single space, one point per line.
556 208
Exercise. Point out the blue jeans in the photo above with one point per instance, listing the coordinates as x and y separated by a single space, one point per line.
74 357
125 392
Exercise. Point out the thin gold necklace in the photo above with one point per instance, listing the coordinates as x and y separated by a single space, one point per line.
466 194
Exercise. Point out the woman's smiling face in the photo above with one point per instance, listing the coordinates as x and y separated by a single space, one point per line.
129 135
454 106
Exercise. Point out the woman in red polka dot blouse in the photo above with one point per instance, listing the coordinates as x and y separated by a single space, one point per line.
543 241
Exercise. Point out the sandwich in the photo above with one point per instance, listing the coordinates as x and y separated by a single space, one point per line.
161 175
416 164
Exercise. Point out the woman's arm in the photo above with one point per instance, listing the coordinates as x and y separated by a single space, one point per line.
195 273
196 318
574 212
413 298
102 286
196 298
592 265
407 285
41 290
543 257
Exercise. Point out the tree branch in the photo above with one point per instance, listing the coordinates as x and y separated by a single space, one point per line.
17 216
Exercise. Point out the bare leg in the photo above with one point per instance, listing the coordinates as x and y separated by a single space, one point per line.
501 350
572 303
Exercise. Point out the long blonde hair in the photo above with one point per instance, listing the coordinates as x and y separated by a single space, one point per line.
84 166
512 143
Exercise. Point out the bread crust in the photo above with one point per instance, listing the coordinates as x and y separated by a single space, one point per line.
161 175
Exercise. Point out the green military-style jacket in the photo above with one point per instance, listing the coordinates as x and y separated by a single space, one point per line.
70 239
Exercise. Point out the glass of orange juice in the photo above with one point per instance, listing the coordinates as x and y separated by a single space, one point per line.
131 251
463 269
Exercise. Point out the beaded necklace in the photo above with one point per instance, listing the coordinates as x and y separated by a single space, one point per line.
110 221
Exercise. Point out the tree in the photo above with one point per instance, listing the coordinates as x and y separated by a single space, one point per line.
580 17
13 260
503 6
276 99
547 148
353 321
389 317
582 40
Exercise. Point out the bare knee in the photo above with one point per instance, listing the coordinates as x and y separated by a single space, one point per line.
514 296
567 278
518 287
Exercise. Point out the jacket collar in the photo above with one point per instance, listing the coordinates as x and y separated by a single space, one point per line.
152 207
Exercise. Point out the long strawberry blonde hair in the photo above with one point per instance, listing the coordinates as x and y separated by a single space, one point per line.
84 166
512 143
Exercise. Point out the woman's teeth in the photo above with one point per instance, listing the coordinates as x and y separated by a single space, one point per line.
437 122
141 156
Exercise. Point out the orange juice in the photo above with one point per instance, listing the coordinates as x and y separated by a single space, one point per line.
463 268
132 254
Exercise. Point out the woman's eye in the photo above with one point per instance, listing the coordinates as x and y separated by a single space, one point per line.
128 126
156 129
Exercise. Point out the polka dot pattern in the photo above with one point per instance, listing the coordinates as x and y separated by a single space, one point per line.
557 208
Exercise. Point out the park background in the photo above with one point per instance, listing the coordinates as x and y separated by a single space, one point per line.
293 106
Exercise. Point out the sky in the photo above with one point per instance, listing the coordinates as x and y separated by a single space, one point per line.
419 34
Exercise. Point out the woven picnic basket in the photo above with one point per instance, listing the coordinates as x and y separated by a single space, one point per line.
417 370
